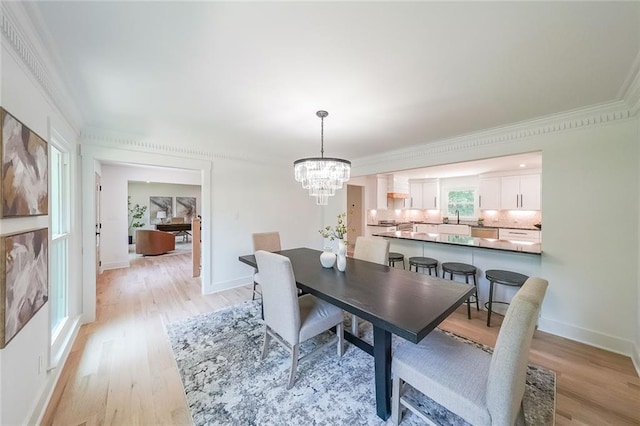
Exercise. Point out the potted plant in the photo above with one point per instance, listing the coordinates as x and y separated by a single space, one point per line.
136 212
481 221
445 219
338 232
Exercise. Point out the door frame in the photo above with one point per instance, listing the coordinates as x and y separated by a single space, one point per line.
91 157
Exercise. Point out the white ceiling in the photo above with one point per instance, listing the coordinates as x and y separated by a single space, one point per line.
247 78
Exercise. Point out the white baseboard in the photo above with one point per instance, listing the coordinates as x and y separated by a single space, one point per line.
588 337
228 285
115 265
54 373
636 358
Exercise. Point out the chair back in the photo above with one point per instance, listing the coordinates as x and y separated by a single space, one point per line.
374 250
508 368
279 295
267 241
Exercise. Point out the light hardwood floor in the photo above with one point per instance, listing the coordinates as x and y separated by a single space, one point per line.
121 369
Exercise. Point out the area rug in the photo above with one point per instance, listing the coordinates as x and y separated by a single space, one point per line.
226 383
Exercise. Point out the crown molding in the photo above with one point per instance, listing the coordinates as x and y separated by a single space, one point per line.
512 134
96 137
17 30
632 95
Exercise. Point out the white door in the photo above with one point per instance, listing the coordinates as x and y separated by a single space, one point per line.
98 189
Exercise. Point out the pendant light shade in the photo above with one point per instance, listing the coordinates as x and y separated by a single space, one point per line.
320 175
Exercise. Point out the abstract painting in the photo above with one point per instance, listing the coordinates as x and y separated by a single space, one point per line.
157 204
24 189
186 208
24 286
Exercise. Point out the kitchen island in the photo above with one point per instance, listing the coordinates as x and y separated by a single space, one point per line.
464 240
483 253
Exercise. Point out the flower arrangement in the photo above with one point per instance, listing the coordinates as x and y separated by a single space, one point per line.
337 232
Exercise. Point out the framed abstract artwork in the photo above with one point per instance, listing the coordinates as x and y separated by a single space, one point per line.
24 285
160 209
24 189
186 208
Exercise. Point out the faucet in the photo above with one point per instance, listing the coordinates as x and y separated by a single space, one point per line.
458 216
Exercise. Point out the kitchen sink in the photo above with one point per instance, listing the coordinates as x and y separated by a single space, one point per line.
454 229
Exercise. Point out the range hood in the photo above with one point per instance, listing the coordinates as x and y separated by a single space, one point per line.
397 189
397 195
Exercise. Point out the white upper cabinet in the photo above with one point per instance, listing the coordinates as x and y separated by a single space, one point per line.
415 195
520 192
489 194
376 192
424 194
381 192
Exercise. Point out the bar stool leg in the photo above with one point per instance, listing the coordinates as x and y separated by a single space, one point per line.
466 280
475 284
490 303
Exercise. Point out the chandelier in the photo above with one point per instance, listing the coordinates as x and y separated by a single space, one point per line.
322 176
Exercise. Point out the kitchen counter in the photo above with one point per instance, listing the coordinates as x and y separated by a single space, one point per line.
471 224
462 240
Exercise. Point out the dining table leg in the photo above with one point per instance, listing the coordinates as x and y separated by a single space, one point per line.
382 361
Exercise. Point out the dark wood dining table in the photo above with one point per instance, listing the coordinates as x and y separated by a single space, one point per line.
395 301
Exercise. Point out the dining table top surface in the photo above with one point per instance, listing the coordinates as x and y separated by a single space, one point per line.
405 303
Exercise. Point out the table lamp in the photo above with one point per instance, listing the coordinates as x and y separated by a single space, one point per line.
162 215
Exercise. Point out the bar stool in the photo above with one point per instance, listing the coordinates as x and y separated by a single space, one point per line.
455 268
425 263
396 257
499 276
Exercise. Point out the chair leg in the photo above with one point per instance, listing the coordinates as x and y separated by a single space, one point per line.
294 366
354 325
396 409
265 344
340 333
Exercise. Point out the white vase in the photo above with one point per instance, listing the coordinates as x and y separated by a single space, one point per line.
341 261
327 258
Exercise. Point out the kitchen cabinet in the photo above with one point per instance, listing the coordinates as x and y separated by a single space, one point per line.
489 193
424 194
529 236
520 192
376 189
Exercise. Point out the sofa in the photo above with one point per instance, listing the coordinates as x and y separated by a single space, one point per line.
150 242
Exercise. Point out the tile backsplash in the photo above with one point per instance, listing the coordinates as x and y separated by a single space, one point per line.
506 218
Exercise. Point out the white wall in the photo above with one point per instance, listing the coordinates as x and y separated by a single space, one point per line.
590 194
24 389
238 198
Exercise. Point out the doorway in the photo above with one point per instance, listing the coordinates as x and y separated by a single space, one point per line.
355 214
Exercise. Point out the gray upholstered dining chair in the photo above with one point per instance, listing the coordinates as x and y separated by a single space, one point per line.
290 319
374 250
268 241
482 388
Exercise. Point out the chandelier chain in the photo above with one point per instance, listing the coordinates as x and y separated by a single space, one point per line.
322 136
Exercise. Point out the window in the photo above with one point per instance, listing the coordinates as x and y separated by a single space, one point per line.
462 200
59 216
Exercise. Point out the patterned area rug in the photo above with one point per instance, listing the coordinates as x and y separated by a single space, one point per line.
225 382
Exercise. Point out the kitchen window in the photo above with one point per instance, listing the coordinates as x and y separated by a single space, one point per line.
463 200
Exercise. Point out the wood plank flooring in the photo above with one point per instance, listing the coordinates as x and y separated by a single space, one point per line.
121 369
